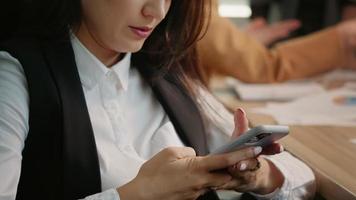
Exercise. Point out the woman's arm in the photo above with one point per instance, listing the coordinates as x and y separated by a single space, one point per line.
227 50
14 112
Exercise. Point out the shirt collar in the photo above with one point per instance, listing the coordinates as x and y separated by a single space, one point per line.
92 70
122 70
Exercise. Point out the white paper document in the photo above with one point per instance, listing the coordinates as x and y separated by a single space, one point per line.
293 89
328 108
275 92
338 75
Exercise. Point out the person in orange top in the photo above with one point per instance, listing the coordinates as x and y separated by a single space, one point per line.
229 51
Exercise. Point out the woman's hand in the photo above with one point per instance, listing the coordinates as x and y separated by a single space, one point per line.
347 32
268 33
177 173
256 174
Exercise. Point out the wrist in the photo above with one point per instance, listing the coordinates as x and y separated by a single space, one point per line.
272 179
346 32
130 191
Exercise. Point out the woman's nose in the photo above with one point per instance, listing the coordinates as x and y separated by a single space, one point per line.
156 9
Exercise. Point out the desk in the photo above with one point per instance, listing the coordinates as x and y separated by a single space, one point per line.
327 150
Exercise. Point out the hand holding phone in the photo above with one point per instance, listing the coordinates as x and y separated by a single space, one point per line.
263 135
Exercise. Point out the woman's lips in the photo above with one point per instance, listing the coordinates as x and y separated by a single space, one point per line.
141 32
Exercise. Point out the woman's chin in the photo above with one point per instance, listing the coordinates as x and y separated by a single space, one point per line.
134 46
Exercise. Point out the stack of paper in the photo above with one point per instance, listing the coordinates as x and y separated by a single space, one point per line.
292 89
328 108
338 75
275 92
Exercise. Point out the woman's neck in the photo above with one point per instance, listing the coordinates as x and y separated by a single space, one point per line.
107 56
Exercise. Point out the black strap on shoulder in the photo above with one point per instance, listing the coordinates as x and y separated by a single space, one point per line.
81 168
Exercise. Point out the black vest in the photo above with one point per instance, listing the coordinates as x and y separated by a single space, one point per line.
60 159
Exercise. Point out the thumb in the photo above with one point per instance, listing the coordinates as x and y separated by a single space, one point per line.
241 123
171 154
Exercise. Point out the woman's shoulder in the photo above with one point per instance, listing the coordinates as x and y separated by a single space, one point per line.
12 76
14 99
8 63
5 55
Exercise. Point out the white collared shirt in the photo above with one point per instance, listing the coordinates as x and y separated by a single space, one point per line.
129 126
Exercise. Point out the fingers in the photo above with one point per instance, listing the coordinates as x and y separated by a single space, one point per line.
241 123
173 153
231 185
274 148
215 180
216 162
244 175
282 29
257 23
267 34
184 152
242 166
287 25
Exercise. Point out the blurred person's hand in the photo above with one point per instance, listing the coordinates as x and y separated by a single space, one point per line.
348 12
347 32
255 174
267 34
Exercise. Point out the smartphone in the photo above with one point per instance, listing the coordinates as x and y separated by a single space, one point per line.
258 136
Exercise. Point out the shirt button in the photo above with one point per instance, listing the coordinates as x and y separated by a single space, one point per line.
112 77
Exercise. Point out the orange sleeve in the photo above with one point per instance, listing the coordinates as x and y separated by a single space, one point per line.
228 51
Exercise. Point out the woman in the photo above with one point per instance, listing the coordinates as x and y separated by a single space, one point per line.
227 51
83 118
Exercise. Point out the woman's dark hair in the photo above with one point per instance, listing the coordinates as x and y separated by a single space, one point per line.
40 18
171 47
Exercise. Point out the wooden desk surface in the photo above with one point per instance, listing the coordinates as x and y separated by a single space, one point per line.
327 150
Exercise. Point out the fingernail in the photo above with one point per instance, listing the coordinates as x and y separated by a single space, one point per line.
257 150
241 111
243 166
281 148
